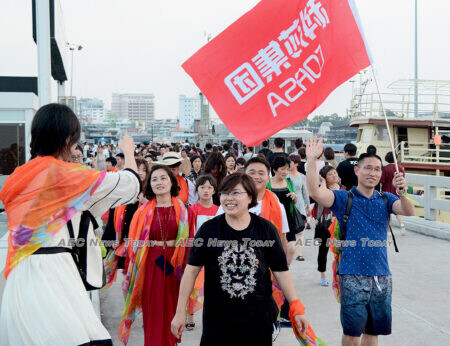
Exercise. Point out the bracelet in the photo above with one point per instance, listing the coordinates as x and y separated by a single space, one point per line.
401 194
296 308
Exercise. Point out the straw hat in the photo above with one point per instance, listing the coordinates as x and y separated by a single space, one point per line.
170 158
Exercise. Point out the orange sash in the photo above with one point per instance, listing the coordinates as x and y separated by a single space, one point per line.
40 197
184 192
270 210
134 279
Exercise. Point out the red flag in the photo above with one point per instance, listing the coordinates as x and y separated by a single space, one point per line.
278 62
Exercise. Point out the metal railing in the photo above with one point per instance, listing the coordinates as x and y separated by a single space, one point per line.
419 152
431 106
433 188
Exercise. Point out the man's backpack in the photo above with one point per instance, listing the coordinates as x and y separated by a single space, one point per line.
339 234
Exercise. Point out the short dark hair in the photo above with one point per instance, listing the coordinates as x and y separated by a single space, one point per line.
328 153
364 156
226 147
389 158
265 143
247 183
278 162
203 179
298 143
227 156
250 148
52 125
241 161
195 157
258 160
279 142
79 148
174 190
371 149
121 155
325 169
112 160
350 149
295 158
302 152
208 146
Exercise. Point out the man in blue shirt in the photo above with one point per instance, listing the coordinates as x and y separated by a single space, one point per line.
365 277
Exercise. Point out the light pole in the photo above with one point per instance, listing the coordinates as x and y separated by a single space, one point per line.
43 48
416 72
72 48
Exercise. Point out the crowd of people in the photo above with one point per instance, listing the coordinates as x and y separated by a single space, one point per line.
189 229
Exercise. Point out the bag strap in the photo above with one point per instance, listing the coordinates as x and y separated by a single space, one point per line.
348 208
70 228
390 228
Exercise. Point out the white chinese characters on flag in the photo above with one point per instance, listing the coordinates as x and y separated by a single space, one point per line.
278 62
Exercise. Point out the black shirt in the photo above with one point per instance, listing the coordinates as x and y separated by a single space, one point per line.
265 151
301 167
347 174
238 288
272 156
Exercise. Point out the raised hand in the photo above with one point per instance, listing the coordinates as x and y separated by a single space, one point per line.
314 148
126 144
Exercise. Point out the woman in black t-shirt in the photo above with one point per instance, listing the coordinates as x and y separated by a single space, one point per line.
239 251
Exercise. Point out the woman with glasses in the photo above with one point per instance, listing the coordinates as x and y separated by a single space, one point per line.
239 250
77 155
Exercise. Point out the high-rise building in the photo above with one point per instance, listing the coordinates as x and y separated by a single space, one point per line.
189 111
91 110
135 107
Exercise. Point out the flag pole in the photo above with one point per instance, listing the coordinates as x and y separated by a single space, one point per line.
394 154
385 118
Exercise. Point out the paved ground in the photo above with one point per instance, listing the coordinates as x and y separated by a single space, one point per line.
421 298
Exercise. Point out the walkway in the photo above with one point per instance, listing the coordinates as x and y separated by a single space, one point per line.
421 298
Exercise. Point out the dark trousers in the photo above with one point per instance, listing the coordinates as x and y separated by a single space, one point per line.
322 234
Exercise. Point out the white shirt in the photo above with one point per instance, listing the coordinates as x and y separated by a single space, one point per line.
257 211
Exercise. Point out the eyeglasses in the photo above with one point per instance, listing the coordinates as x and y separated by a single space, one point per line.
372 169
233 194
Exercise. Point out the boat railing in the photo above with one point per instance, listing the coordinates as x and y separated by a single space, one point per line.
420 152
431 193
430 106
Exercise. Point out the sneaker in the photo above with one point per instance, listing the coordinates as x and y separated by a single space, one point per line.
284 323
275 330
402 230
324 282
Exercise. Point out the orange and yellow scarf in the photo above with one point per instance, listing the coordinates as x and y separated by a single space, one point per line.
133 283
40 197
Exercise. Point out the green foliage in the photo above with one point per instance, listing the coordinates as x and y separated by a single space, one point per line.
334 118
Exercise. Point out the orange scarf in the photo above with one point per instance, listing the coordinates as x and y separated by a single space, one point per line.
184 192
40 197
270 210
134 280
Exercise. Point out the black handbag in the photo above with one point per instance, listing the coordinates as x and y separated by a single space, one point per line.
299 221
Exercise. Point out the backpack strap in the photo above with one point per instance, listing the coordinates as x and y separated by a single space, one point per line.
390 228
348 208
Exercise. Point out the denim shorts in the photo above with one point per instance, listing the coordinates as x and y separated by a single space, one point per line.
366 304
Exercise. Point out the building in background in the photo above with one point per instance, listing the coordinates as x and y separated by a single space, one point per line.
91 110
189 110
134 107
70 101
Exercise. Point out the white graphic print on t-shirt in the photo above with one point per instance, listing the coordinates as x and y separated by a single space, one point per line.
238 265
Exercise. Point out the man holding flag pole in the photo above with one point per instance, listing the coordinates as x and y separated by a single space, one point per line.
271 69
